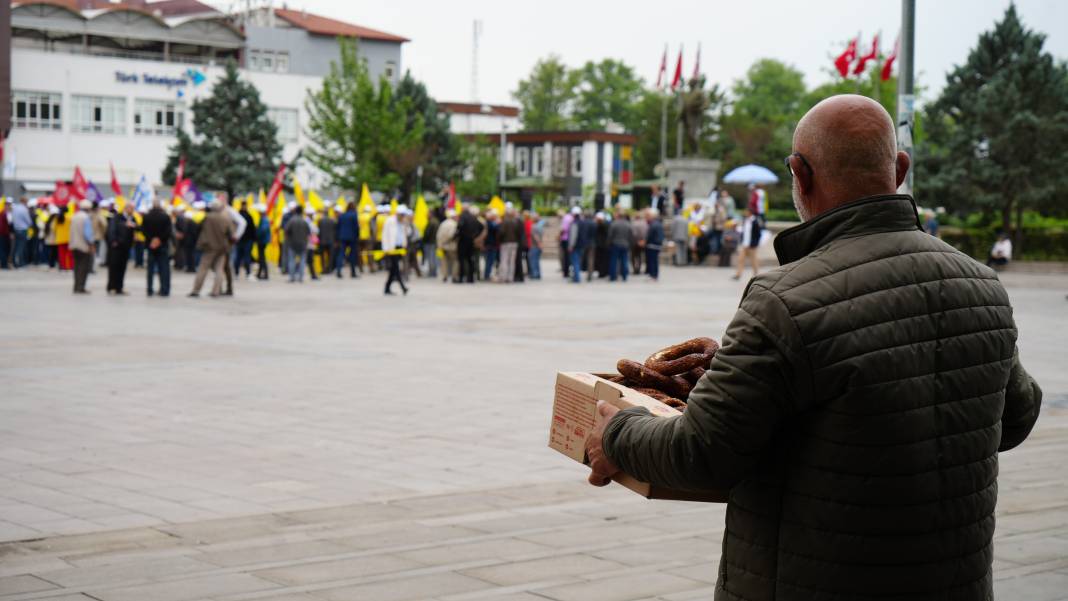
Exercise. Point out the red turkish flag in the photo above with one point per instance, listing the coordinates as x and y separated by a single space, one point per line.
675 81
888 66
870 56
451 203
276 187
663 70
78 186
62 194
845 59
115 187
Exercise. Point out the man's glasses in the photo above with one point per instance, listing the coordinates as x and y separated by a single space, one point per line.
789 168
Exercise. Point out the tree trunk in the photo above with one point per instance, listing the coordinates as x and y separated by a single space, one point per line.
1017 239
1006 217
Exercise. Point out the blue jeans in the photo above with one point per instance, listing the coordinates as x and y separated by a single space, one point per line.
347 250
430 258
243 256
491 259
576 263
5 249
652 262
160 260
534 263
618 262
296 263
715 239
19 258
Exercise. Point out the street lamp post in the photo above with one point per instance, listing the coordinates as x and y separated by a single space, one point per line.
905 94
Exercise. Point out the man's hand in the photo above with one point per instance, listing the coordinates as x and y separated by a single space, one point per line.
602 467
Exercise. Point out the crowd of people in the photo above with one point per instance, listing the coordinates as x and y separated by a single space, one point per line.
466 246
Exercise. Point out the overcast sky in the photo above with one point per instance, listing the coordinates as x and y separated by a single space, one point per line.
732 35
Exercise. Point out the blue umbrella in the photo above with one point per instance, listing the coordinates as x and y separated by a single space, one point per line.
750 174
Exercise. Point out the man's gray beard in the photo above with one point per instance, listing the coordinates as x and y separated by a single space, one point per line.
796 193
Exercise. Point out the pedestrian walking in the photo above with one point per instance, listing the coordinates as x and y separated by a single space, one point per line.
394 239
537 245
621 239
263 240
297 232
447 242
352 232
158 231
680 238
750 235
509 233
654 241
81 245
214 240
328 242
469 229
21 224
638 229
430 242
119 238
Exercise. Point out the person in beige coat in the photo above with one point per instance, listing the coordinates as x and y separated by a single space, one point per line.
81 245
216 233
447 242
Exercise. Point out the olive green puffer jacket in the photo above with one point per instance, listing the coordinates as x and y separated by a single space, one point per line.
855 412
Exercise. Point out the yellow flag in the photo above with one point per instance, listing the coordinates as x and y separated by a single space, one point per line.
120 203
279 208
459 207
341 204
421 214
497 205
314 199
393 206
365 201
298 192
3 201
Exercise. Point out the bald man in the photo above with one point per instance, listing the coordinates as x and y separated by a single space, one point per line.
860 400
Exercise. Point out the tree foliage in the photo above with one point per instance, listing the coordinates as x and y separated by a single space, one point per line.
361 132
235 145
546 97
482 169
997 136
607 93
443 159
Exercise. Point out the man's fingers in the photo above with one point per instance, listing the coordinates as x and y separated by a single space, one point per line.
599 479
605 409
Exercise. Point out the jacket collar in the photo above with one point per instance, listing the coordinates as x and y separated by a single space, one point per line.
882 213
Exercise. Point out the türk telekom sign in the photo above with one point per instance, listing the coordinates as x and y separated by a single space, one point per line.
152 80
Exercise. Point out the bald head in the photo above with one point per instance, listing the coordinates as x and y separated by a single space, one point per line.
850 144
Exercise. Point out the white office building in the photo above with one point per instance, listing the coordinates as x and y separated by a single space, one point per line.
97 83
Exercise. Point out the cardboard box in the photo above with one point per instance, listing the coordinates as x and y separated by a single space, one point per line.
574 415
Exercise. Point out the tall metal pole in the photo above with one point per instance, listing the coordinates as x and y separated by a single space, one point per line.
905 96
504 127
663 131
678 120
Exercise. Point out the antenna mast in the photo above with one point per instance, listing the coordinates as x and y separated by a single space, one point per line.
476 34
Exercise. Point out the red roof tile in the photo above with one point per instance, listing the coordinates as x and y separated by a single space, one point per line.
325 26
474 108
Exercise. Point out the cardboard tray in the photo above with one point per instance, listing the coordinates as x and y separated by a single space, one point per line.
574 415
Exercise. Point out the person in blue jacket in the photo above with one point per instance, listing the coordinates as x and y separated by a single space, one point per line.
263 238
348 240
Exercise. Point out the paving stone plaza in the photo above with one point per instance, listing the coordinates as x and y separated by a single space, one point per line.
320 442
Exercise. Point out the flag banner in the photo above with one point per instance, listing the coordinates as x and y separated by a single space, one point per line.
662 73
62 194
873 54
846 58
366 204
421 214
677 79
297 191
276 187
697 63
888 66
180 176
78 185
92 194
143 196
115 187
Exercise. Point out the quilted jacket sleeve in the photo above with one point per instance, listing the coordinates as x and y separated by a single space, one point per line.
758 380
1023 399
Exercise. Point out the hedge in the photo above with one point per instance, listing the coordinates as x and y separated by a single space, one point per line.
1039 244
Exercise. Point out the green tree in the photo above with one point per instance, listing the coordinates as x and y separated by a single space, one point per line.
766 106
235 147
607 92
360 132
997 136
547 96
481 169
442 156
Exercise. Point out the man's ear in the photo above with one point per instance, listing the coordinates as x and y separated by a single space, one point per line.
801 174
903 164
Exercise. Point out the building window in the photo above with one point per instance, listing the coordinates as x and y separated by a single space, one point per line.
391 68
560 161
522 162
268 60
287 122
537 162
35 110
281 62
157 117
98 114
254 60
576 161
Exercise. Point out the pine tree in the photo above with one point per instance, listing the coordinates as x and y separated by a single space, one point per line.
997 136
235 146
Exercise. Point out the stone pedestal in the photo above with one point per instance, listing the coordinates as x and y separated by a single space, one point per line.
699 174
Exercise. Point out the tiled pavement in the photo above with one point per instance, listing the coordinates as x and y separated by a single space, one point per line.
306 444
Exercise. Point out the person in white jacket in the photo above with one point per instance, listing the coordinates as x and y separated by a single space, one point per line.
394 242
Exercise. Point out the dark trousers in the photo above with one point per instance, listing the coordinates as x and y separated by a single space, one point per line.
159 261
189 256
394 273
118 258
327 257
83 264
139 254
348 251
565 258
309 258
5 250
618 262
19 258
243 257
262 272
468 262
652 262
